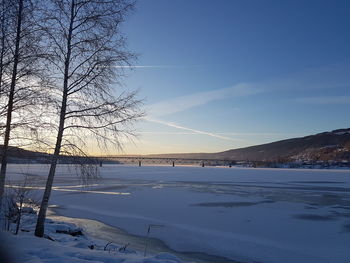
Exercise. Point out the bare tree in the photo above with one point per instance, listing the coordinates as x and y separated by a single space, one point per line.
87 55
5 13
6 22
21 74
11 98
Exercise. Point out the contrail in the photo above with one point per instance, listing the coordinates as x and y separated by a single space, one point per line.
137 66
174 125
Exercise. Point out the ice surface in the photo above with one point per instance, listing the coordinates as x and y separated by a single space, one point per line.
245 214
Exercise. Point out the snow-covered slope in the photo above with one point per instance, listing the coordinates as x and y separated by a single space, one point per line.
334 145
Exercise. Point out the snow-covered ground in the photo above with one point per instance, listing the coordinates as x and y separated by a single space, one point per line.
67 243
243 214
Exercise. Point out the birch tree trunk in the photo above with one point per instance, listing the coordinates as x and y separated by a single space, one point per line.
40 225
86 46
11 101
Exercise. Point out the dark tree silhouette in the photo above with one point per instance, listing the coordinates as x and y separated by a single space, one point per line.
20 73
87 54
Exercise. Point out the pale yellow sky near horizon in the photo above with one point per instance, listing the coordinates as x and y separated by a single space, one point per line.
176 141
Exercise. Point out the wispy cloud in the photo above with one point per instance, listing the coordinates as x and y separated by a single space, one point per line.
152 66
183 103
137 66
326 77
225 134
259 134
330 77
144 66
193 131
325 100
166 133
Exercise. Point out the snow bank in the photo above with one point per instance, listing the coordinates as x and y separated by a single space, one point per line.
63 246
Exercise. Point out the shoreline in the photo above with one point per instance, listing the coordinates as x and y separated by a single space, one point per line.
102 231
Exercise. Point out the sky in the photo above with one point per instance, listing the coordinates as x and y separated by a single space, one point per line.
225 74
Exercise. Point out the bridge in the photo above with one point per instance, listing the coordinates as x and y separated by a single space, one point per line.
124 159
172 161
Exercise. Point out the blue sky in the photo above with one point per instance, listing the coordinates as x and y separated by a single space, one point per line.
228 74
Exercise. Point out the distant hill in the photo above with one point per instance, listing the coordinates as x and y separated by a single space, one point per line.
334 145
326 146
21 153
18 155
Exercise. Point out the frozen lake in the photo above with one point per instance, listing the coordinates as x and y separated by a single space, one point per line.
247 215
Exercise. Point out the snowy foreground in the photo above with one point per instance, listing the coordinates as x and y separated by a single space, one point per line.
207 214
64 247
